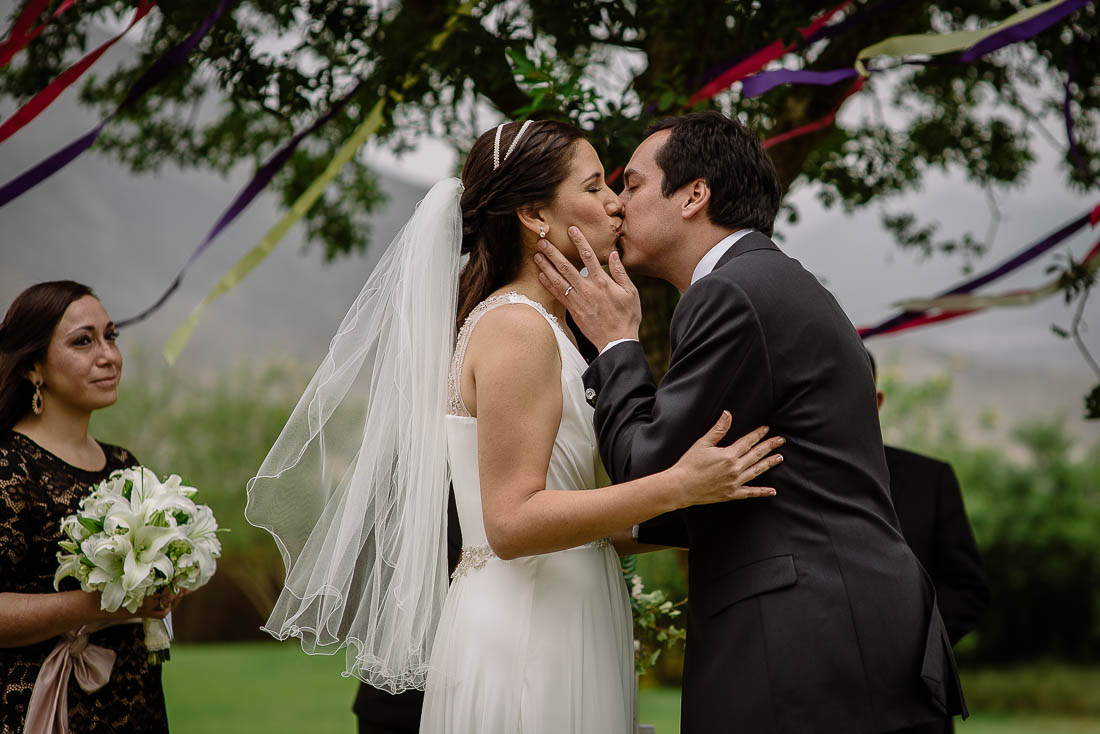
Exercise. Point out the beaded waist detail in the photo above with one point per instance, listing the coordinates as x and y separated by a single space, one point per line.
474 557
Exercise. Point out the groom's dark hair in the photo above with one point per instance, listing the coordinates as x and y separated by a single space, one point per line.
744 189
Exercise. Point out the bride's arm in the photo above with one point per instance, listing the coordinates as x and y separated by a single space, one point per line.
516 371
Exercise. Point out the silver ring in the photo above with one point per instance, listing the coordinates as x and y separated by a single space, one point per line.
568 291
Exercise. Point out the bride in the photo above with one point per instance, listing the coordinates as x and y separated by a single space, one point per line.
534 633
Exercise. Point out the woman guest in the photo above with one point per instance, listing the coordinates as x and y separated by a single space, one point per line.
64 663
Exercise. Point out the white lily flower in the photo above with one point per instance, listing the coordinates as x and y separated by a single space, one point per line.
146 555
68 565
175 484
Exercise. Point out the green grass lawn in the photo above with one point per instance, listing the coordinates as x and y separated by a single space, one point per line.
273 688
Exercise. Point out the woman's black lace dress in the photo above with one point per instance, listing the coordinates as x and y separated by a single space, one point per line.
37 489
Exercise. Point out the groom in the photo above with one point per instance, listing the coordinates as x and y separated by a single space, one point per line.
808 612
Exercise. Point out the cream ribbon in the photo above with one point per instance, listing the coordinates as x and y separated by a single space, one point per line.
934 44
48 711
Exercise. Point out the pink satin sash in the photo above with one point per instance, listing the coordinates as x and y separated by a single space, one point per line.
48 711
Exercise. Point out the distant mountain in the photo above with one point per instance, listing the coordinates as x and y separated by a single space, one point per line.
127 237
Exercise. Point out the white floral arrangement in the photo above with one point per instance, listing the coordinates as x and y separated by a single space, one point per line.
653 613
135 536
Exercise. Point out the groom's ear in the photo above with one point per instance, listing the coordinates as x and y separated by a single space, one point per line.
696 199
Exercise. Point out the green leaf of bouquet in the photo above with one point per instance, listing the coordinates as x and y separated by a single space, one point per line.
182 518
96 526
127 488
87 562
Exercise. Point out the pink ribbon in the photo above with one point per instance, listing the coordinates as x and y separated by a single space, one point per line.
48 711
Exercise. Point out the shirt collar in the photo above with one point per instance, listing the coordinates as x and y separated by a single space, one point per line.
715 254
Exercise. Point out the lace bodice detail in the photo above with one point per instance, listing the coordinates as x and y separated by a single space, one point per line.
455 404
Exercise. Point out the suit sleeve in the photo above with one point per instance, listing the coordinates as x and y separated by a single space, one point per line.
718 362
961 584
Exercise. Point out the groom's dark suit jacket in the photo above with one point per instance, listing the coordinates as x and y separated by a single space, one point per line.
807 611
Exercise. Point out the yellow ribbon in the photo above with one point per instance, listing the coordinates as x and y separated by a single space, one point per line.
267 244
934 44
968 302
257 254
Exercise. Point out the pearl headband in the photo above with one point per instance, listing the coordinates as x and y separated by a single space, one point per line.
496 143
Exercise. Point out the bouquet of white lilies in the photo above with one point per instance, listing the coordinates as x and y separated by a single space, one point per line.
135 536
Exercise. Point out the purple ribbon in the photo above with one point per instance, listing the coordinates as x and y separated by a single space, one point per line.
757 84
1006 267
1021 31
764 81
260 180
153 75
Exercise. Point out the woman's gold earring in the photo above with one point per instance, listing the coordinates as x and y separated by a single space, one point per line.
36 401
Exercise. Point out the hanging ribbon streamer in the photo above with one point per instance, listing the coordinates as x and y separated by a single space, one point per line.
916 318
758 60
1018 27
42 100
19 36
811 127
1023 297
258 182
302 205
156 72
959 306
765 81
268 242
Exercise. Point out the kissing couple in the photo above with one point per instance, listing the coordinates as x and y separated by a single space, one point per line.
807 612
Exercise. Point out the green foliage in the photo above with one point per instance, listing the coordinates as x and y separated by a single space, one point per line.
269 67
1034 505
1045 686
655 617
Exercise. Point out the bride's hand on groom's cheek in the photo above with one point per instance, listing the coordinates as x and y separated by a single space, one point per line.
605 307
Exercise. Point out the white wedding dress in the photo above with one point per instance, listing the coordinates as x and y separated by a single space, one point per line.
540 644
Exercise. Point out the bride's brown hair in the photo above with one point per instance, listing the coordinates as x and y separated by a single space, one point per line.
526 179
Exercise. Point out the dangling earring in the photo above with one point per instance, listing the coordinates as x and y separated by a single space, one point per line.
36 401
542 233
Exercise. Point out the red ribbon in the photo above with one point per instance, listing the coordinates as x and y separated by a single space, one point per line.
1094 218
757 61
19 37
817 125
43 99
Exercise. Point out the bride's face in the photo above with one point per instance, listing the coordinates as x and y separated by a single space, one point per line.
583 200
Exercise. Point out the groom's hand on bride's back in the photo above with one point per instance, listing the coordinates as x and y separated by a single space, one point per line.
606 308
710 473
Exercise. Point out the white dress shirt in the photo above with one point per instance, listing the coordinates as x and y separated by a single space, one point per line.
703 268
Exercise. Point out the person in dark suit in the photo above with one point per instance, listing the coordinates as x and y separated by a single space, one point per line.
379 712
808 612
933 519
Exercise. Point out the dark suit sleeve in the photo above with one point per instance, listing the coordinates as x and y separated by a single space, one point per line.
718 361
961 585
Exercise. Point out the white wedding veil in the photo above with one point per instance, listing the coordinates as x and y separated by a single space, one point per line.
354 490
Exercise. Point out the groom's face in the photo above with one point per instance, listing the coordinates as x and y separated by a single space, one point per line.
649 218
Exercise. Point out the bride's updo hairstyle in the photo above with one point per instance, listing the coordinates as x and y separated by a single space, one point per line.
527 177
